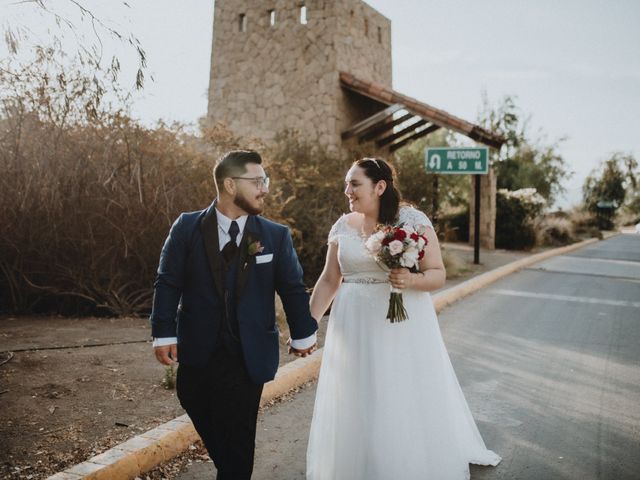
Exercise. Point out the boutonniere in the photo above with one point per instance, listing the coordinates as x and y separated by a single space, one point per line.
254 247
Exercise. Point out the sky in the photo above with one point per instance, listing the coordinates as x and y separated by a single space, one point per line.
573 65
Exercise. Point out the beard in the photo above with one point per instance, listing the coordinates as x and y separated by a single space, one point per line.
241 202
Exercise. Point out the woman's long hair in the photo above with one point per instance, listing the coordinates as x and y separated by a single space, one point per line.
377 169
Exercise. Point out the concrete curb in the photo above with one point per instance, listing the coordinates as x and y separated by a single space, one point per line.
143 452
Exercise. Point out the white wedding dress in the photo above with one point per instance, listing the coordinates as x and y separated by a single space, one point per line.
388 404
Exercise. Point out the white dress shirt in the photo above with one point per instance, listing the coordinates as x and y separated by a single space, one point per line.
224 223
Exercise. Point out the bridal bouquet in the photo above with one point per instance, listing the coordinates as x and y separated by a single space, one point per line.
395 247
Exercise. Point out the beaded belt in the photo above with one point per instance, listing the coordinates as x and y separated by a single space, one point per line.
364 280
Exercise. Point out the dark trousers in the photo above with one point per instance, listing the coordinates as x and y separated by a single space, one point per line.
222 402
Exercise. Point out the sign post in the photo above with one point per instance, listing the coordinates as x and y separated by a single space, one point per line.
461 161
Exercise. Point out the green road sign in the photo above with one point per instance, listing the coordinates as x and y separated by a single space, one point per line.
457 160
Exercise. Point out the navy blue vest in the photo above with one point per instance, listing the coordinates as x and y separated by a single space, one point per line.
230 328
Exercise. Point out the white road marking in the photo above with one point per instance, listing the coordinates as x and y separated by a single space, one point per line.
567 298
603 260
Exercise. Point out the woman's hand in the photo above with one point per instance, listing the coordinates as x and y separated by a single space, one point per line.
401 278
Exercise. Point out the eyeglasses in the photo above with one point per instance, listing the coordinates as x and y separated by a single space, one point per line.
259 182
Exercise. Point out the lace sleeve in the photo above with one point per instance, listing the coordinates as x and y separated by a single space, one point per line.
414 217
336 230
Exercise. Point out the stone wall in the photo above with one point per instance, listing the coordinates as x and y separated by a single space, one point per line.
286 76
364 50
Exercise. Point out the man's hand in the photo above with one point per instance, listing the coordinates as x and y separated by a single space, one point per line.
302 353
167 354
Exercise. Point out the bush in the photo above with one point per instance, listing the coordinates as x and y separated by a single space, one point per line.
86 209
627 217
554 231
515 213
88 197
607 187
584 224
456 226
84 221
307 195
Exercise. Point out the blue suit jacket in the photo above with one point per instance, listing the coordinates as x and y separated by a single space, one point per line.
188 298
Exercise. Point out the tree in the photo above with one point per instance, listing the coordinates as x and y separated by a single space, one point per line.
607 187
73 33
524 161
430 192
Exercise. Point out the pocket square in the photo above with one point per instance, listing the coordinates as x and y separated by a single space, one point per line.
264 258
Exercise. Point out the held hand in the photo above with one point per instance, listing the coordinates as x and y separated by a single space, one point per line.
302 353
167 354
400 278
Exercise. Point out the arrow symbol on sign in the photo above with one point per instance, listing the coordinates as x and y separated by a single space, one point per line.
434 161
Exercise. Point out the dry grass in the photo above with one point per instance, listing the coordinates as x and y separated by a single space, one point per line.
584 224
627 217
86 202
554 231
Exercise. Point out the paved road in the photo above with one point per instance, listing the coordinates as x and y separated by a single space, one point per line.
549 361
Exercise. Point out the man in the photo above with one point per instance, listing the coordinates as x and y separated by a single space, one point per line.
214 307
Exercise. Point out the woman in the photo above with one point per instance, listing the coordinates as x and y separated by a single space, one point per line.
388 404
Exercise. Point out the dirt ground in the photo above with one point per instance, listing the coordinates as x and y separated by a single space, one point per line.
74 387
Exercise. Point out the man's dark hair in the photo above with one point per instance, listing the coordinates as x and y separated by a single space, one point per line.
234 164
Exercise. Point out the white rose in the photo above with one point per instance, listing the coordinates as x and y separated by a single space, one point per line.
395 247
409 257
374 242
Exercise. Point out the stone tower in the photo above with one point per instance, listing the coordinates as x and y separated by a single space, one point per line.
275 65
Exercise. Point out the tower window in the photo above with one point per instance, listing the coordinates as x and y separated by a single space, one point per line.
303 14
242 22
272 17
366 27
379 35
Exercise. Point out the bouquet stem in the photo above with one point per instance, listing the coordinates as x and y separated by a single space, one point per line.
397 312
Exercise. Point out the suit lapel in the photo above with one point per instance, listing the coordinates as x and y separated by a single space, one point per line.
244 260
209 229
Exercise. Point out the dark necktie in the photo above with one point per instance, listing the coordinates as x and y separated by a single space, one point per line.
230 249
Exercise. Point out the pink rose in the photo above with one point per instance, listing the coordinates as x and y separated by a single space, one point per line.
395 247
